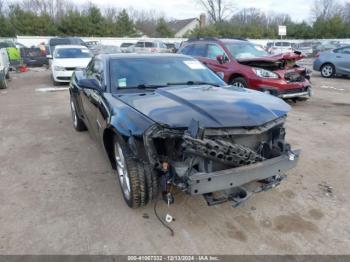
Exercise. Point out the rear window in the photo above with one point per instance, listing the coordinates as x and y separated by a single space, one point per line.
282 44
66 41
31 52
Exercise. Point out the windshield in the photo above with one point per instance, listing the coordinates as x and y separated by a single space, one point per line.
246 50
72 53
153 72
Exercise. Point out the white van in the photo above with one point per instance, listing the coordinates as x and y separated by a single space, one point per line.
280 47
4 68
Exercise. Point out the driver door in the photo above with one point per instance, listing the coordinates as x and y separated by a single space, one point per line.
91 99
343 61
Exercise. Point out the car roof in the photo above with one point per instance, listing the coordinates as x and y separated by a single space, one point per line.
219 40
149 40
70 46
230 41
135 55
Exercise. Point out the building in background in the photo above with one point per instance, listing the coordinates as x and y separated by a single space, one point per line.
182 27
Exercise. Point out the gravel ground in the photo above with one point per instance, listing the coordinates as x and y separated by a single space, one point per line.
59 195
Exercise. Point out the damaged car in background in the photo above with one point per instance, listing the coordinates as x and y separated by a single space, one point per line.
244 64
167 122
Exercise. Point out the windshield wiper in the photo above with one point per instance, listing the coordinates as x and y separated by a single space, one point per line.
145 86
193 83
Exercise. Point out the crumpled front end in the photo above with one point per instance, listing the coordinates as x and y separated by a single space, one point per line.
293 80
204 161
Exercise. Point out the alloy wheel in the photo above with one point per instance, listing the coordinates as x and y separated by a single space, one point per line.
122 171
74 114
327 71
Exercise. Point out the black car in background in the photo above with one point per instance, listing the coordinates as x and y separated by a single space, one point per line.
34 57
166 121
64 41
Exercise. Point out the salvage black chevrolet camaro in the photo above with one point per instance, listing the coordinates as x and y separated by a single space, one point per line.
167 121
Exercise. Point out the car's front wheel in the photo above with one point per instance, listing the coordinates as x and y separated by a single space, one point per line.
131 176
77 122
327 70
239 82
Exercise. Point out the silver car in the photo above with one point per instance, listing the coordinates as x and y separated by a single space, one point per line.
304 48
150 47
333 62
4 68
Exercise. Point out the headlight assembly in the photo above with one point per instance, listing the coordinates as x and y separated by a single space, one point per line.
265 73
59 68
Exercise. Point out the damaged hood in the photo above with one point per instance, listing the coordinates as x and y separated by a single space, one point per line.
291 56
213 107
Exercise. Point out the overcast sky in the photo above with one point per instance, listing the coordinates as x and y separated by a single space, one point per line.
298 9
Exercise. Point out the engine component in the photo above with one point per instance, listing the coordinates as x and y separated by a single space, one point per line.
234 155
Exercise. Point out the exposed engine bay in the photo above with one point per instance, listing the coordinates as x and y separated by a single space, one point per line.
296 73
185 157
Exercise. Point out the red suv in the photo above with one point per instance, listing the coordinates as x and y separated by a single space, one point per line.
244 64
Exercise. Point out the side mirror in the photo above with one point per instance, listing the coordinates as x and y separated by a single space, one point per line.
220 59
89 83
49 56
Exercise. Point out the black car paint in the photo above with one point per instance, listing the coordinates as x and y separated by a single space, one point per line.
106 113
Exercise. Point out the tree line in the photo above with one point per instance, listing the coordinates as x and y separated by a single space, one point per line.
62 18
328 19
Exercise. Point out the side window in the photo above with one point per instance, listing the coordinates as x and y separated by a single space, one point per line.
346 50
187 50
89 68
214 51
199 50
95 69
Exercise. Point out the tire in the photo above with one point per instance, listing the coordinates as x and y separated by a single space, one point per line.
152 182
327 70
77 122
239 82
8 75
3 83
130 174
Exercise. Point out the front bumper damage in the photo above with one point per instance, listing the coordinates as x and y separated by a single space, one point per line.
306 94
202 183
209 162
302 92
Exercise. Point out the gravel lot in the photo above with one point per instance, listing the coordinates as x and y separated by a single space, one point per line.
59 195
